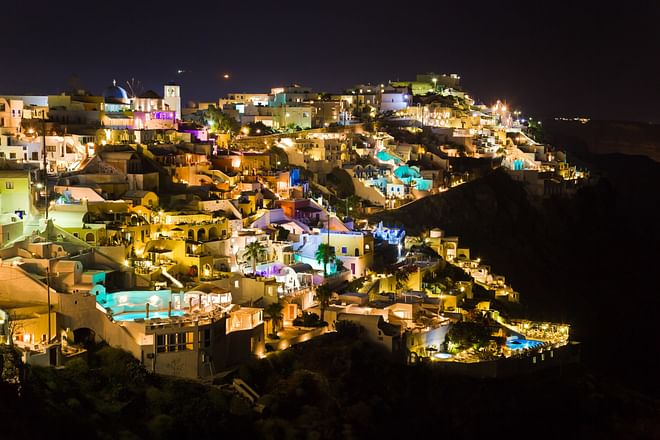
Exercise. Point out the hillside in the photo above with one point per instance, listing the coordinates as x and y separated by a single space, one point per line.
584 260
331 387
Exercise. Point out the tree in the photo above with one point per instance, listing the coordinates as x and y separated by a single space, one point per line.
254 250
468 333
274 310
220 122
324 255
339 265
323 295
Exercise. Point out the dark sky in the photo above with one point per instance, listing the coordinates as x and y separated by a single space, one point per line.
546 58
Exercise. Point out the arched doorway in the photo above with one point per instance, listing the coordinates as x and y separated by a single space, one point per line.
201 234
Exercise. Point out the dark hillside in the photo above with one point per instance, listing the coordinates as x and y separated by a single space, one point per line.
584 260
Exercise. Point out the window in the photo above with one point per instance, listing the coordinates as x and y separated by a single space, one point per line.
173 342
9 185
343 250
12 155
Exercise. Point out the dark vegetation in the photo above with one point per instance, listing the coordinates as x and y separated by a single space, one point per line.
335 386
110 395
308 319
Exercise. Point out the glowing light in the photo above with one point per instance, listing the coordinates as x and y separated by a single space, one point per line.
225 76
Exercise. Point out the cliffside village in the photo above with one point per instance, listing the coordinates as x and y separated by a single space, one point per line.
199 237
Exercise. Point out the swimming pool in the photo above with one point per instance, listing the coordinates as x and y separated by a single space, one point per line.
443 356
522 344
130 305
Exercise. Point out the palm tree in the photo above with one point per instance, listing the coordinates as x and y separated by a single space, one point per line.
274 310
323 294
254 250
324 255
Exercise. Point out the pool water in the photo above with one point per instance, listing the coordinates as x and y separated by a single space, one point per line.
130 305
443 356
522 344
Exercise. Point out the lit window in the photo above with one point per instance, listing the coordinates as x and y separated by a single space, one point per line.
9 185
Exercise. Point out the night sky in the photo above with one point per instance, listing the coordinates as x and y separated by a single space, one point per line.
549 59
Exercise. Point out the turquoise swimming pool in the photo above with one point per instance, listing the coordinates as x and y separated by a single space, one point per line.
131 304
522 344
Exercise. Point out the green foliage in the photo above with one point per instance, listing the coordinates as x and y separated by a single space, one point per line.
324 255
308 319
323 295
274 310
469 333
220 122
254 251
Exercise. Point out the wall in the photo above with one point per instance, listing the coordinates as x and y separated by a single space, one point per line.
368 192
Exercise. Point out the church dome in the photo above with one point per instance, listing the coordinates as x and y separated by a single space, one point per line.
115 92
